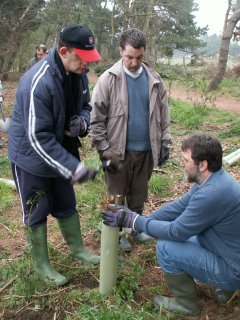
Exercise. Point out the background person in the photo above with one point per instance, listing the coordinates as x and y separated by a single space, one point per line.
130 122
199 233
40 52
51 112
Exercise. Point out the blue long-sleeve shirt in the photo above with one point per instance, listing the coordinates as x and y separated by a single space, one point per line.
210 211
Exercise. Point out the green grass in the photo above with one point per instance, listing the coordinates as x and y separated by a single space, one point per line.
233 131
230 86
5 171
160 185
5 197
187 118
187 115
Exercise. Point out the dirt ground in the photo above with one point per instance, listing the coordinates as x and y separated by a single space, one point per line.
14 243
226 103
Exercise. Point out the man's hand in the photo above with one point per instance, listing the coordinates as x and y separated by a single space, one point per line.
110 160
123 218
106 154
164 154
84 174
77 127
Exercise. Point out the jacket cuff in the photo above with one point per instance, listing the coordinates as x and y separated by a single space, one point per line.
104 148
139 224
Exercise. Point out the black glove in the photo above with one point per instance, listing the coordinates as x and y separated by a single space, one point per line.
77 126
84 174
164 154
106 154
110 161
123 218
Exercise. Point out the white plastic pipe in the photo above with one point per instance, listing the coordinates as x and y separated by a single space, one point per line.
8 182
233 154
4 125
232 157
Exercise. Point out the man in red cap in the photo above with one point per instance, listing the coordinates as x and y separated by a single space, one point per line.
51 112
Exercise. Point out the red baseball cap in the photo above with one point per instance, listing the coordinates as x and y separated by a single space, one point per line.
82 41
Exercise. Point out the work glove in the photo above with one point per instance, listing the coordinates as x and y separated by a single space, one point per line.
110 161
122 218
164 154
84 174
77 127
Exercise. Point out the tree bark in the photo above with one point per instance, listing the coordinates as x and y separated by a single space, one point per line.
150 4
229 26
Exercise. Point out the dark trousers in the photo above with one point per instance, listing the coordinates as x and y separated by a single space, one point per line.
132 181
41 196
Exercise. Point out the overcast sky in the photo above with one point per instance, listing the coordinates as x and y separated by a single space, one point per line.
211 13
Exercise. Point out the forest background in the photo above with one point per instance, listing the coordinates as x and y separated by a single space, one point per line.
170 27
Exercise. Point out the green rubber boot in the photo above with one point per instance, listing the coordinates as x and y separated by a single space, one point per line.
143 237
124 244
224 296
71 231
37 239
185 296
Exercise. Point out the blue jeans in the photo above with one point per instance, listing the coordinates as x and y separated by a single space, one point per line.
190 257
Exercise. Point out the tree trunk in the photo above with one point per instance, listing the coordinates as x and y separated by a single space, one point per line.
229 26
23 18
146 28
110 49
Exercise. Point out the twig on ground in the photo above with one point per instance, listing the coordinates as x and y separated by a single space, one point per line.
93 275
159 170
6 227
8 284
151 204
51 293
24 307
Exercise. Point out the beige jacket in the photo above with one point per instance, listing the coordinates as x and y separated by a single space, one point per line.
109 116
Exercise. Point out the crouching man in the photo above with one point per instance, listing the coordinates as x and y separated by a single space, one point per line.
198 233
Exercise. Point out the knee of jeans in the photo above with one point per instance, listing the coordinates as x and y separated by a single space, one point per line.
162 249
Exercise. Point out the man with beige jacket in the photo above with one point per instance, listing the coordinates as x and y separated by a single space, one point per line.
130 123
